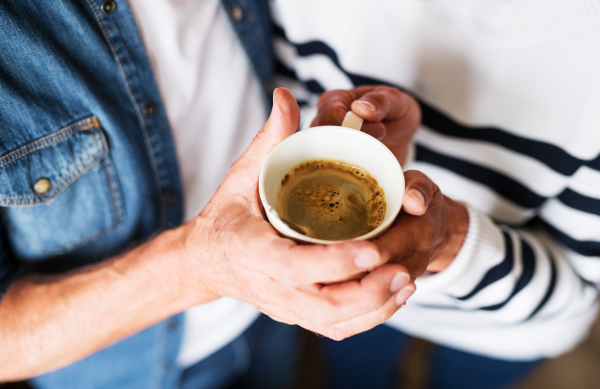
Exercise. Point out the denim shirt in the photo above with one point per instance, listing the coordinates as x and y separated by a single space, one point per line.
87 160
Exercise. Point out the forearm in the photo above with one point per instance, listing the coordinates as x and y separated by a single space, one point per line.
47 322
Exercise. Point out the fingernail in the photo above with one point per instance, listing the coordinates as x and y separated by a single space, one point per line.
367 104
417 194
404 294
399 280
366 259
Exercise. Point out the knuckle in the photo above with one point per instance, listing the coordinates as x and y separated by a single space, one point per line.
328 96
429 236
382 315
414 112
337 269
415 176
287 275
394 92
435 189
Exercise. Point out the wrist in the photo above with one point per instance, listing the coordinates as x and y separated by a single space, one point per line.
192 257
454 228
165 265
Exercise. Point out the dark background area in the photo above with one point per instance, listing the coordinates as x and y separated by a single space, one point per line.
579 369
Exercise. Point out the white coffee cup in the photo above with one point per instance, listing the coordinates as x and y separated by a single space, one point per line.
343 143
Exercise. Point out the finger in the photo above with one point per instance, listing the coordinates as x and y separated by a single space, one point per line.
408 244
283 122
298 264
419 192
369 320
376 130
388 113
332 107
382 103
337 303
411 239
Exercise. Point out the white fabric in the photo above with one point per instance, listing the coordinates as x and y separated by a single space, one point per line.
215 108
527 67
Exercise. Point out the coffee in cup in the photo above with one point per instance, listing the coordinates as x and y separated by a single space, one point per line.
338 144
330 200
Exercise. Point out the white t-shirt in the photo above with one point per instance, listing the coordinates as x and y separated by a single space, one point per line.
215 108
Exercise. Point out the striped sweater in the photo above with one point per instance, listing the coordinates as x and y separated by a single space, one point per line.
510 95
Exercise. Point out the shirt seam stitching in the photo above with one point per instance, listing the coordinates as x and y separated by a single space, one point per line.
140 116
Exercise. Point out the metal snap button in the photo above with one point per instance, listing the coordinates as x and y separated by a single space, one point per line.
149 108
109 6
237 14
42 186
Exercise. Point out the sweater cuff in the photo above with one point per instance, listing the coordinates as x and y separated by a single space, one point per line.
483 240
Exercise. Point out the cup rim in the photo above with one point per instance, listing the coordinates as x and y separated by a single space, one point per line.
283 229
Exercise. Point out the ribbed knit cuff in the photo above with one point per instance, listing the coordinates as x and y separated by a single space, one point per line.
483 242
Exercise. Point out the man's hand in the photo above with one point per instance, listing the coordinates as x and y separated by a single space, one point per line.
390 115
430 230
233 251
50 321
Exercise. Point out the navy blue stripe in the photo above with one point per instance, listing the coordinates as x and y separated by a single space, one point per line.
314 86
278 31
281 68
580 202
549 290
588 248
528 259
501 184
549 154
496 273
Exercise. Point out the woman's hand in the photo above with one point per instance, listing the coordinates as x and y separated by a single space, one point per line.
390 115
430 230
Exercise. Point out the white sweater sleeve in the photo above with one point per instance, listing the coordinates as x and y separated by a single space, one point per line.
510 275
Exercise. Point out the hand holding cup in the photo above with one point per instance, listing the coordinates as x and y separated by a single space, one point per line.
237 253
430 229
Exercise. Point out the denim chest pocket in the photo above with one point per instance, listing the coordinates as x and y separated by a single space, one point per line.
60 191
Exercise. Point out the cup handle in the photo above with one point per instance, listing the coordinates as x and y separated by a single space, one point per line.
351 120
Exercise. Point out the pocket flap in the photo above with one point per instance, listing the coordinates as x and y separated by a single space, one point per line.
37 172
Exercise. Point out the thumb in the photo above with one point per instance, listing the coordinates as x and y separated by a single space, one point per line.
283 122
420 192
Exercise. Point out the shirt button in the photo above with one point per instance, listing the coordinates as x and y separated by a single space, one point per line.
149 108
42 186
109 6
173 325
237 14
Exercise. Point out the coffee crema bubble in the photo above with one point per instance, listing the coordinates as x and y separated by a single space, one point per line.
331 200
